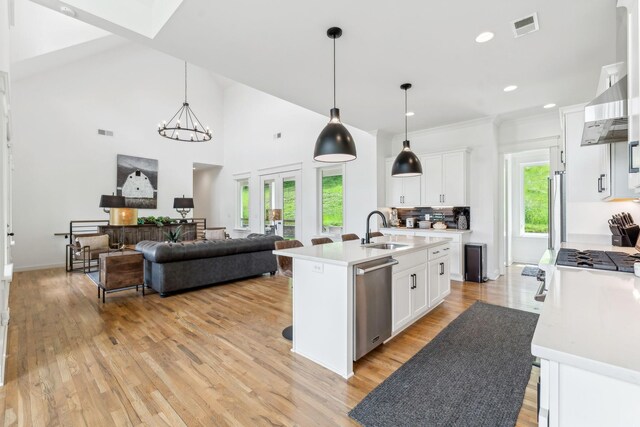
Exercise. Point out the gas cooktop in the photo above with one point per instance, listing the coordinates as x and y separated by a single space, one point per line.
597 260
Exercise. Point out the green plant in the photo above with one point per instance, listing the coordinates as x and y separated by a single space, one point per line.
175 235
141 220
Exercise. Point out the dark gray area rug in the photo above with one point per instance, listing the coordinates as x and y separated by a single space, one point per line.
530 271
474 373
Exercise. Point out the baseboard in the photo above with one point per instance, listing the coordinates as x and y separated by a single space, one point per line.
37 267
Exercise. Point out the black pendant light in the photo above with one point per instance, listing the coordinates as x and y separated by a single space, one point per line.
334 143
407 163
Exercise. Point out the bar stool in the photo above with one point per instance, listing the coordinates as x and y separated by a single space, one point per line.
285 268
350 236
321 241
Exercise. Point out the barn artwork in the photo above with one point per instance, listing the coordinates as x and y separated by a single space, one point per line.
138 181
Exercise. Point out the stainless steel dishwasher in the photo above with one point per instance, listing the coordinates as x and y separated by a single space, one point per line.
372 304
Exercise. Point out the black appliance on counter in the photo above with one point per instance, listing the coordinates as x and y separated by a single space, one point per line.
597 260
624 231
475 262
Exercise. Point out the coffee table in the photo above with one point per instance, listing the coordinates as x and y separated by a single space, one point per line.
119 271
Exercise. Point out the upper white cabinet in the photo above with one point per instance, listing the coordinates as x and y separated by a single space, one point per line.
402 191
443 182
444 179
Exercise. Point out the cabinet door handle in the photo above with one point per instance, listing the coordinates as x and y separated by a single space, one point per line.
602 177
11 234
632 169
562 156
441 268
444 198
415 281
600 184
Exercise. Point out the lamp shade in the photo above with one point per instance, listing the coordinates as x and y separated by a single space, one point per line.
407 163
112 201
275 215
183 203
335 143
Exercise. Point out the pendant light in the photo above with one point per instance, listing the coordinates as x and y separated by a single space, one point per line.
184 125
407 163
334 143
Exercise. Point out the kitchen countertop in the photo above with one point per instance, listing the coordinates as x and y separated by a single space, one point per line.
590 318
431 230
352 252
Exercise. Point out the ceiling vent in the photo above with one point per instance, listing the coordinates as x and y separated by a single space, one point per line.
525 25
105 132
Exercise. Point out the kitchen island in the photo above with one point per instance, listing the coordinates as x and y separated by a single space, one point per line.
323 292
588 340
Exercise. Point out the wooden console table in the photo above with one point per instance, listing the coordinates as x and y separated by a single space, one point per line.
137 233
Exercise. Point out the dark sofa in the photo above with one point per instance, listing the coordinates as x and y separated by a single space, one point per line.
171 267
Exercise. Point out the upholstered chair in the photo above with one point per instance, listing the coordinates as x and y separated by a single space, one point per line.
375 234
350 236
321 241
87 248
285 268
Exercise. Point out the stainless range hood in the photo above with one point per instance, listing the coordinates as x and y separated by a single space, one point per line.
605 118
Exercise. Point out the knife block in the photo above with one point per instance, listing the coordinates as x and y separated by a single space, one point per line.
628 239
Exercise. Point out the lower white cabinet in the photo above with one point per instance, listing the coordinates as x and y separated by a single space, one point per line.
418 285
456 246
439 281
409 297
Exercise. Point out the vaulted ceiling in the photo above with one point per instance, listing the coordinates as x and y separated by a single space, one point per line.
281 47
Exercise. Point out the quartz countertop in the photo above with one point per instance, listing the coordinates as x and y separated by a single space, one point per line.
431 230
590 318
352 252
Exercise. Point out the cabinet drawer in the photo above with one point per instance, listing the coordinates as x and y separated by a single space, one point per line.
439 251
409 260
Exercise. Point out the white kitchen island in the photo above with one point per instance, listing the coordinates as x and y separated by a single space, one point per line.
323 292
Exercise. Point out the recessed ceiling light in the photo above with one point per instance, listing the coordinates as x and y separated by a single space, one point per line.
549 105
510 88
484 37
68 11
410 113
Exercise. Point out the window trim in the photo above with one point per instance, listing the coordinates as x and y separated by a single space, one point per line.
240 181
521 227
339 170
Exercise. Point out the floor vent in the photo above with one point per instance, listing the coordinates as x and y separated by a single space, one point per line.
105 132
525 25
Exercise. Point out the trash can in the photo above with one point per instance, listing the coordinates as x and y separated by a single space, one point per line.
475 262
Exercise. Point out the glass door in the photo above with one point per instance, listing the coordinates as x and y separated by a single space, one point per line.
280 204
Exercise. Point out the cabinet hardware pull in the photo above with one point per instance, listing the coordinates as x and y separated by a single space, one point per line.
436 252
632 169
562 157
441 268
11 234
602 177
600 184
444 198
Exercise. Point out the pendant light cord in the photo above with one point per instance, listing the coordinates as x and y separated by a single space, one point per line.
185 81
334 72
405 114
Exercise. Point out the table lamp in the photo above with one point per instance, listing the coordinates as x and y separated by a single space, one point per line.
275 215
183 205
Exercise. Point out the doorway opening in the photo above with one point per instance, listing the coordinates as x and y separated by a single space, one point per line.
280 204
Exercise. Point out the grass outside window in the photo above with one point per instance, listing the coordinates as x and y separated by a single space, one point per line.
535 198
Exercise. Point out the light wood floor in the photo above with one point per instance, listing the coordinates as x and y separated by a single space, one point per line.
214 356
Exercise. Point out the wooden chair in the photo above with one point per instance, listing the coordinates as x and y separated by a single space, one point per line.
350 236
285 268
86 249
321 241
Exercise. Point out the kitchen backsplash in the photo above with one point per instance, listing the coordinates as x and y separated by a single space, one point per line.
449 216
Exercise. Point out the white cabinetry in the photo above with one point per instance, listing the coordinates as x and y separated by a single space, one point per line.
439 281
455 248
402 191
445 179
411 286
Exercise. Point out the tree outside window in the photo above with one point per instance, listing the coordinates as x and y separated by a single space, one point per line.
332 200
535 198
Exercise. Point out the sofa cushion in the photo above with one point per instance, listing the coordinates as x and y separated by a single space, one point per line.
96 243
215 234
161 252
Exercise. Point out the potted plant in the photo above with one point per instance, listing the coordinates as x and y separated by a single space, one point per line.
174 235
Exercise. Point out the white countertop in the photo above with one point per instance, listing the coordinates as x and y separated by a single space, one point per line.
431 230
591 318
352 252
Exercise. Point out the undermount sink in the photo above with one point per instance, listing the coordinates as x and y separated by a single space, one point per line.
386 246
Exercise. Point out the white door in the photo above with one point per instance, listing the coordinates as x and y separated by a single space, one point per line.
411 190
453 179
432 180
420 296
6 265
280 204
402 311
394 186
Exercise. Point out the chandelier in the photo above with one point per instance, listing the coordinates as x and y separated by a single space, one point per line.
184 125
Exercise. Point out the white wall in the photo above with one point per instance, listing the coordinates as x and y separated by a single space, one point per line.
480 137
251 118
62 165
4 36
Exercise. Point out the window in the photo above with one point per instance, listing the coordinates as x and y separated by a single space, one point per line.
331 200
243 204
535 200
